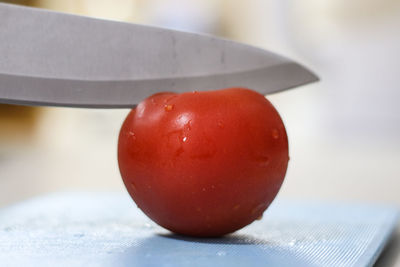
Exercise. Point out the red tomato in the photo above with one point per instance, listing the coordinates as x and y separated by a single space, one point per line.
203 163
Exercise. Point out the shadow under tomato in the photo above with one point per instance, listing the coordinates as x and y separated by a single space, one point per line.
232 239
233 250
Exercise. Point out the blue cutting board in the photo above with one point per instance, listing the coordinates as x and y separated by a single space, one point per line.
106 229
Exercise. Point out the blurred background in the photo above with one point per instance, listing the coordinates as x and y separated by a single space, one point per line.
344 132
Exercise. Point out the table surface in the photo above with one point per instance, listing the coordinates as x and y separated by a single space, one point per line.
106 229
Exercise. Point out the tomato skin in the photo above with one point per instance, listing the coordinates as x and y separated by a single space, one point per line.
203 163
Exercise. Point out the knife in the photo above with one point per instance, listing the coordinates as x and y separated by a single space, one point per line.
54 59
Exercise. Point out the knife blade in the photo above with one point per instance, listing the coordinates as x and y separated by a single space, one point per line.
57 59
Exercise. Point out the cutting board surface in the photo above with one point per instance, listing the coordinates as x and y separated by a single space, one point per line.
107 229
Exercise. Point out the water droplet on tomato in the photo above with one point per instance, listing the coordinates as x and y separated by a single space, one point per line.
168 107
188 125
275 133
183 120
132 135
184 139
258 209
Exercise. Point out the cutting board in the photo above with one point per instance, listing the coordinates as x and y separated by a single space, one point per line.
107 229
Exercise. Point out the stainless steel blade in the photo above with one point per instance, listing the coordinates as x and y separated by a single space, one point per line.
50 58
